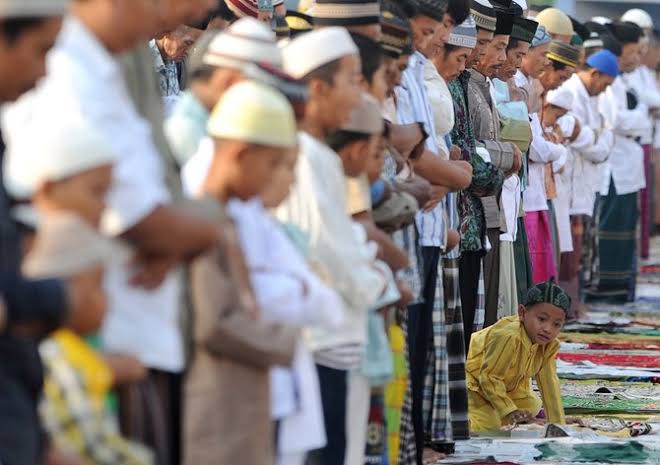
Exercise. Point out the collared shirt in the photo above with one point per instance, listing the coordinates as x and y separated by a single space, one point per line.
583 173
626 162
317 205
503 360
87 81
168 77
414 106
73 409
644 83
186 126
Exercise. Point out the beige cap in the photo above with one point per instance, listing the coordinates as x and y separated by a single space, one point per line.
555 21
246 41
33 8
56 154
253 112
312 50
67 245
366 117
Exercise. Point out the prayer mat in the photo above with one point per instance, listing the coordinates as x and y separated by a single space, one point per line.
615 453
607 404
613 359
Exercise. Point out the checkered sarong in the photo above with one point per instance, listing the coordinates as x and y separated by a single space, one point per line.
436 383
455 351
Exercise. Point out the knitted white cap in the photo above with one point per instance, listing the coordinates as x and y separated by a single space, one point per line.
314 49
639 17
561 98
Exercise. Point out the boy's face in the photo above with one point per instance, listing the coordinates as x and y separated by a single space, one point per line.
23 60
278 190
83 194
542 322
341 97
552 113
376 158
355 157
256 166
630 57
378 88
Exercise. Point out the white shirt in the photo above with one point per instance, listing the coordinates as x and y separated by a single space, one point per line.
583 173
289 293
317 205
626 162
541 152
85 82
643 81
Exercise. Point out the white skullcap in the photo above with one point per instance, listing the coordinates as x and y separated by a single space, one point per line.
32 8
314 49
67 245
253 112
639 17
246 41
561 98
602 20
54 155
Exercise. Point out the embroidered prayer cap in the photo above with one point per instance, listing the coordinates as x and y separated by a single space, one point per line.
396 34
298 23
483 13
564 53
247 8
311 51
66 245
464 35
254 112
246 41
555 22
524 29
639 17
561 98
541 37
605 62
346 12
550 293
625 33
434 9
56 155
33 8
366 118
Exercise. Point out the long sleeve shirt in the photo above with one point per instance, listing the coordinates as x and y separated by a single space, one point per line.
626 162
503 360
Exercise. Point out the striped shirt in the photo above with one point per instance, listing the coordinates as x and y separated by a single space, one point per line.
413 106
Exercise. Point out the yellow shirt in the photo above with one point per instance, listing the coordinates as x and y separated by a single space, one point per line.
501 363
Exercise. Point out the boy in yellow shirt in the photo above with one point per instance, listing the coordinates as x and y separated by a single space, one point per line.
504 357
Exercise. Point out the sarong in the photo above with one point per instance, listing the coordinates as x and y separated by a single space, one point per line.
472 293
645 203
492 277
554 233
508 290
523 261
540 246
571 264
614 274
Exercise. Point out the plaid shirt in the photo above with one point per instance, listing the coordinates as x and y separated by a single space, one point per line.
74 419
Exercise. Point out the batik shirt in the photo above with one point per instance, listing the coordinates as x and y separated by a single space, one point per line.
486 178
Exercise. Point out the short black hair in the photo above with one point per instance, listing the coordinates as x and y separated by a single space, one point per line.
325 73
450 48
557 66
459 10
12 28
371 55
340 139
513 43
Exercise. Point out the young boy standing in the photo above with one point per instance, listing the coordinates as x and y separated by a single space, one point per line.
504 357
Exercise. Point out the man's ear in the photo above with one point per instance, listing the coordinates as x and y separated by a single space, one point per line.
521 311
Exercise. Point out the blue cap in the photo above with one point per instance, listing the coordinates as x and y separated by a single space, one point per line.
541 37
605 62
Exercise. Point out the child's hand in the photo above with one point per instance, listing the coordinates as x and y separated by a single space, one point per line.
517 417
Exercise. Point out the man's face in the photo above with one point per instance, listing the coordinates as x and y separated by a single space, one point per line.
23 59
484 38
424 31
451 64
495 56
536 61
552 78
514 58
443 31
599 83
394 72
341 97
176 45
630 57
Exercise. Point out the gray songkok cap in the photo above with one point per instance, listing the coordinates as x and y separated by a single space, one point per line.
32 8
465 34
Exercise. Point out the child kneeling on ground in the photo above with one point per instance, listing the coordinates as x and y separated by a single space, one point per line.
504 357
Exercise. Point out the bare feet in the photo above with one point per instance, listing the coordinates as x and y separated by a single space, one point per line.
431 457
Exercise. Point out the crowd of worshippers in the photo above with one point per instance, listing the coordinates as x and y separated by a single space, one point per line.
236 234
